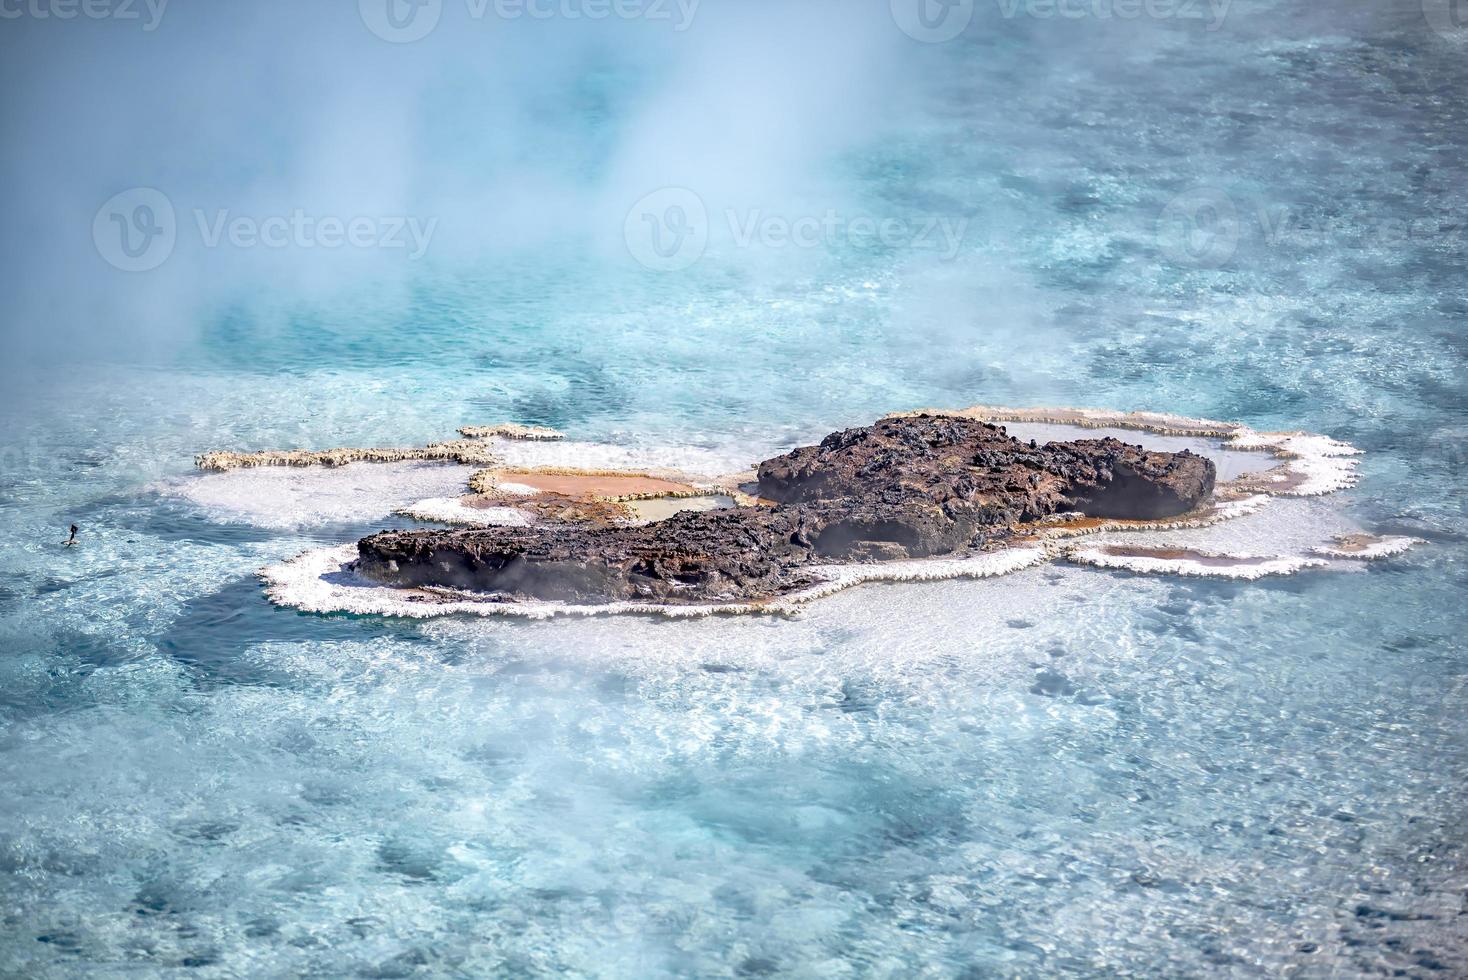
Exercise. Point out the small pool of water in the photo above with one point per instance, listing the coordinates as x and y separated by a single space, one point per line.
662 508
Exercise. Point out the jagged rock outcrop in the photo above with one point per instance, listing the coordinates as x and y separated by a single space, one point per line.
902 488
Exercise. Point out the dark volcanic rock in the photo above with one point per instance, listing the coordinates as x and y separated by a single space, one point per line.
742 552
902 488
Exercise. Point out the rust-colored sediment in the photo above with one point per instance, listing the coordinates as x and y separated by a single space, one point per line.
1279 480
610 485
1177 554
1076 525
557 508
1080 524
554 507
1355 543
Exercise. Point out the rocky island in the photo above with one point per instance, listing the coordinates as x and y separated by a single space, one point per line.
911 487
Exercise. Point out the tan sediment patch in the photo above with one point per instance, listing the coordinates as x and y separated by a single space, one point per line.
1354 544
476 510
1223 507
464 452
613 485
601 496
1367 547
1178 554
472 501
1076 525
1173 560
555 508
1279 480
604 487
512 430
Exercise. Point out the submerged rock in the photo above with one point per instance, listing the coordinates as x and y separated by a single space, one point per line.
903 488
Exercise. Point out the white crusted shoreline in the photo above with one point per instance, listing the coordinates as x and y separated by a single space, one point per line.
453 510
1308 466
1366 547
1211 565
321 581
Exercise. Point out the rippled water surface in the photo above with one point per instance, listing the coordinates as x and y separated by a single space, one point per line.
1064 771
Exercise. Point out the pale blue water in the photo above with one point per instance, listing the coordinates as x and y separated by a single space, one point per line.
1062 772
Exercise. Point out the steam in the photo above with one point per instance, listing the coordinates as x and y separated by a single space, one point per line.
315 162
270 128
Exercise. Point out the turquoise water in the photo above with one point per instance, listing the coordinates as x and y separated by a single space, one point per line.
1060 772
